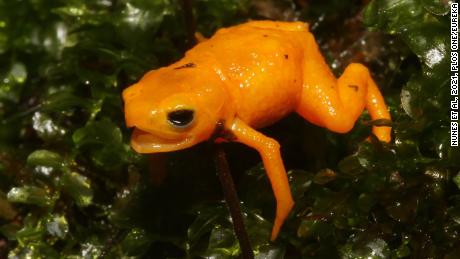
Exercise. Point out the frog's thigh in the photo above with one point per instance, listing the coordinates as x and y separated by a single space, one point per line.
334 104
269 150
337 105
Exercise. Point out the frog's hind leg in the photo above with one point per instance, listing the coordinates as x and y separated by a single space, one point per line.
337 103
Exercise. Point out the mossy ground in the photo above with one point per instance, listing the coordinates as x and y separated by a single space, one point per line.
71 187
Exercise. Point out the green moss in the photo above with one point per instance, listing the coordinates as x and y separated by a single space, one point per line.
70 186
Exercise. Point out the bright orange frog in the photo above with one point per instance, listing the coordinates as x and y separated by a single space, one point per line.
247 77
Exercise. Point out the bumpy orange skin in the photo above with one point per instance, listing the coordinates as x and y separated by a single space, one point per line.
246 77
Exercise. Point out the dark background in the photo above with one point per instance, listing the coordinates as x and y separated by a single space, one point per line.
70 186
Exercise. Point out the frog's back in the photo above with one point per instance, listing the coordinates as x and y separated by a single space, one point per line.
262 64
270 25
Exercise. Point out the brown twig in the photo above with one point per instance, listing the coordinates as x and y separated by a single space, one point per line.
231 197
190 24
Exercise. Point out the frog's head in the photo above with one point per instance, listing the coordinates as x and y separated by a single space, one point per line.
172 109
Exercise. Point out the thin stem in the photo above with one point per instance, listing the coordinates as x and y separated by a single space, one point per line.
231 197
190 24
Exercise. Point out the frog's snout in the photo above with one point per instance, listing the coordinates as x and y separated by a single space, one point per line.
138 114
135 108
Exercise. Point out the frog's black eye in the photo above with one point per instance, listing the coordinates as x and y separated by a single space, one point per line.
181 118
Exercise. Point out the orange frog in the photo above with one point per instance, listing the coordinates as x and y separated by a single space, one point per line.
243 78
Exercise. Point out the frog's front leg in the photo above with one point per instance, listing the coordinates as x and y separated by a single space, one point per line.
199 37
268 149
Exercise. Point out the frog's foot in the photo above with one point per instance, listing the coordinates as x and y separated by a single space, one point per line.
269 150
284 204
337 104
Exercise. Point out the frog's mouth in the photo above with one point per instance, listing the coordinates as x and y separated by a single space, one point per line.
145 142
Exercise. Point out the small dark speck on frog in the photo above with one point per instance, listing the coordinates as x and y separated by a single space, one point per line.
355 87
188 65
